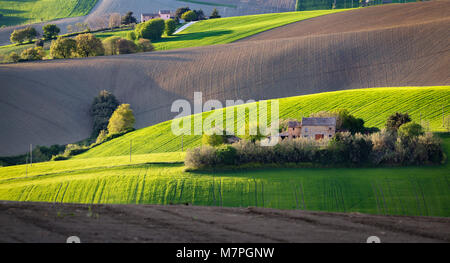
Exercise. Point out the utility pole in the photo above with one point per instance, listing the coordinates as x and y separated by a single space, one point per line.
443 117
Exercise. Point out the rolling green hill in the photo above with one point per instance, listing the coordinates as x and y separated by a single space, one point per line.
373 105
226 30
401 191
159 178
25 12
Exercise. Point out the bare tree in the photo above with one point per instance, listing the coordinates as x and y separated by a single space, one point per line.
98 22
115 20
70 28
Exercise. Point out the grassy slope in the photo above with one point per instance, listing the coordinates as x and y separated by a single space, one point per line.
402 191
227 30
24 12
373 105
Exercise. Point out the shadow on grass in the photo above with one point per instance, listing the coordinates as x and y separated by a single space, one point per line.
194 36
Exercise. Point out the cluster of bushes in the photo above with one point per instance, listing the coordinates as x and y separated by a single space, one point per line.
402 143
345 149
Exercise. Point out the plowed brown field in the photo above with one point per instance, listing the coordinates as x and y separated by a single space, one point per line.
47 102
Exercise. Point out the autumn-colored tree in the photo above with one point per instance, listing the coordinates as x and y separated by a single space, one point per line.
122 120
31 54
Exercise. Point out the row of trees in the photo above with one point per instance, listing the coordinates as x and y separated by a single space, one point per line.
19 36
403 142
189 15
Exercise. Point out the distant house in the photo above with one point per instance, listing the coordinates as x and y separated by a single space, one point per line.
314 128
163 14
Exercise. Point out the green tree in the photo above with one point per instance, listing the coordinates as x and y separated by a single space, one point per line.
31 54
129 19
122 120
396 120
30 33
17 36
152 29
189 16
88 45
171 26
63 47
200 14
131 35
50 31
213 139
101 111
215 14
180 11
20 35
410 130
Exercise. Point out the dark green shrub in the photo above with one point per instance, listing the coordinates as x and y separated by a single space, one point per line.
226 155
50 31
129 19
152 29
396 120
410 130
101 111
59 158
131 35
171 26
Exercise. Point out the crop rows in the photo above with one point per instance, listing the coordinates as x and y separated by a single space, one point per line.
408 191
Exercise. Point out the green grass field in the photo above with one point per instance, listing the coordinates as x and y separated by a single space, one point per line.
401 191
25 12
373 105
226 30
159 178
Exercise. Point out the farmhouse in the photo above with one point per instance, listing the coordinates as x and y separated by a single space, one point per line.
163 14
317 128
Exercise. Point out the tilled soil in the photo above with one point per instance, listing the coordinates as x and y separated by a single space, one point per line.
45 222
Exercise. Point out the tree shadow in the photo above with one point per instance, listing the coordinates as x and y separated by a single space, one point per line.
194 36
11 20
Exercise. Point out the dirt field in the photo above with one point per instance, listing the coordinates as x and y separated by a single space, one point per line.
41 222
373 18
48 102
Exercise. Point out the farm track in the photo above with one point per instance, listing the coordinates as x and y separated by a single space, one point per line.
45 222
48 102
